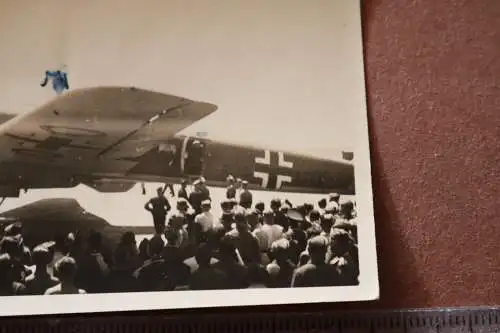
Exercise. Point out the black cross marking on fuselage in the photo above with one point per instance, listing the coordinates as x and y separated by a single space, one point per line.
274 168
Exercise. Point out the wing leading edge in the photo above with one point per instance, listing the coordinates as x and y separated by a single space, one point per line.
87 130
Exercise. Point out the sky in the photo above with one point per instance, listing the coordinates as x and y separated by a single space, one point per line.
285 74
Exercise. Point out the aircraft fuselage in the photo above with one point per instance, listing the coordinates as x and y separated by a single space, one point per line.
264 169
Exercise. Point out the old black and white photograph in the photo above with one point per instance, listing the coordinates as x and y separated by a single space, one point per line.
183 154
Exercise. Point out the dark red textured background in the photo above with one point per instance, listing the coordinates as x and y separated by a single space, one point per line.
433 81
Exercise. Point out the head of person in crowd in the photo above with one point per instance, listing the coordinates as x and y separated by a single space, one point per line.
144 249
347 209
239 183
280 250
197 186
182 205
240 220
206 205
176 221
322 203
332 208
171 236
341 242
268 217
215 235
203 255
184 183
327 222
230 180
156 246
128 241
314 230
260 206
317 248
159 191
308 207
127 249
314 217
14 230
42 257
244 185
275 205
284 209
334 197
66 269
252 217
226 207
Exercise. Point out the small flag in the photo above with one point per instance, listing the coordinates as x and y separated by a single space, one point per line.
348 155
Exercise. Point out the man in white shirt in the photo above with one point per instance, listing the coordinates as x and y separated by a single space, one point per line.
204 221
272 231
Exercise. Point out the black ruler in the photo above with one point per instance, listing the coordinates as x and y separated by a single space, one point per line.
480 320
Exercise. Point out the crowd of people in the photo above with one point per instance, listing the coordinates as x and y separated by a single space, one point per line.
251 244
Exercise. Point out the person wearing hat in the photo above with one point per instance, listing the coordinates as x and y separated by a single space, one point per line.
239 186
41 280
316 273
246 198
158 207
204 222
177 225
196 197
332 208
227 214
183 193
334 197
202 183
183 207
231 188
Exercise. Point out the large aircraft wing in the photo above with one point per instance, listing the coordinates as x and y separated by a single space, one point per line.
88 130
